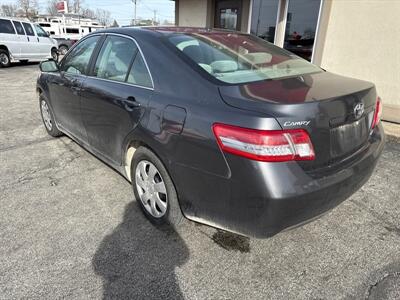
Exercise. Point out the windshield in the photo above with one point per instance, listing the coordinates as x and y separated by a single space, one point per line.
238 58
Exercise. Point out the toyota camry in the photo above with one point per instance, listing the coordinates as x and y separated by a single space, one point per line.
220 127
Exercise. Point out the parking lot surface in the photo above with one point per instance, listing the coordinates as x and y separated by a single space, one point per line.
70 228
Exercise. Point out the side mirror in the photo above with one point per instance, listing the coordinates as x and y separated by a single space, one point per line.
48 66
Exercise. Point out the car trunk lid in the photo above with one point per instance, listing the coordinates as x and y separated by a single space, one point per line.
336 111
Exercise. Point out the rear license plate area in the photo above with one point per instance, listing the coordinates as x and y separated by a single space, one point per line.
349 137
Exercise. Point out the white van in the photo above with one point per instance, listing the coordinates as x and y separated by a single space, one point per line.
24 41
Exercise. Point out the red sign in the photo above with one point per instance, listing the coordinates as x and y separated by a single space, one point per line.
61 6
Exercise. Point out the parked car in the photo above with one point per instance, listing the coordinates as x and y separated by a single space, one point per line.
24 41
64 44
217 126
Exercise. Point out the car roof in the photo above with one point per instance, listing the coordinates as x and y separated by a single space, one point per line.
16 19
160 30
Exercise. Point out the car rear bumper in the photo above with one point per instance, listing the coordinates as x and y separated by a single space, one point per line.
261 199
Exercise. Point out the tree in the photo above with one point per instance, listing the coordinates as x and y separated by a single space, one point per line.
52 7
103 16
8 10
88 13
115 24
77 6
29 8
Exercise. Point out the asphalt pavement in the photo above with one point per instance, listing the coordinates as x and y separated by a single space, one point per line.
70 228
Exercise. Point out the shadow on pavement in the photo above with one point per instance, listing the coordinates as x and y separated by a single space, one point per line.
137 260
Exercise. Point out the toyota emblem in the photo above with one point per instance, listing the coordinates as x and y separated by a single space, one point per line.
358 110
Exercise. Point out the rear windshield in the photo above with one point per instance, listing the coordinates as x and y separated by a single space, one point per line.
238 58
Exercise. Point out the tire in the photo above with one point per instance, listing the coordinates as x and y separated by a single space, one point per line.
63 49
48 117
4 59
171 215
54 55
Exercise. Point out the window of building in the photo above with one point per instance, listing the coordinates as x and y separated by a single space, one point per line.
72 30
28 29
115 58
45 24
20 29
6 26
264 18
301 26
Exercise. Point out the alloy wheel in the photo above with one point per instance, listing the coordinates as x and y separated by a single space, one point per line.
46 115
151 188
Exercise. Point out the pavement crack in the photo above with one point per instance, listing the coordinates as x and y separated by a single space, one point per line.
375 285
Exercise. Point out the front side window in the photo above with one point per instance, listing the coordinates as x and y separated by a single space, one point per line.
78 59
115 58
40 32
19 28
6 26
28 29
238 58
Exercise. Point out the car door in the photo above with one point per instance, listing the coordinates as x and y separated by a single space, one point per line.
23 43
45 43
33 49
115 95
65 87
8 37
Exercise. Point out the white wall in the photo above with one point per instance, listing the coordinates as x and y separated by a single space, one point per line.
192 13
363 41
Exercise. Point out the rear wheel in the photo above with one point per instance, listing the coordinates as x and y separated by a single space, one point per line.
154 189
48 118
4 59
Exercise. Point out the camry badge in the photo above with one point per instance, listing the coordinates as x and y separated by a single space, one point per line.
358 110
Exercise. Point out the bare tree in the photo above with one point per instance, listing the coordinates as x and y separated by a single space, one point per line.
29 8
8 10
77 6
103 16
115 24
88 13
52 7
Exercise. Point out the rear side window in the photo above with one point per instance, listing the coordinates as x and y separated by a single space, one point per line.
28 29
6 27
78 59
115 58
139 75
19 28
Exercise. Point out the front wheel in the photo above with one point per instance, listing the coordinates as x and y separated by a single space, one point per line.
4 59
154 189
48 118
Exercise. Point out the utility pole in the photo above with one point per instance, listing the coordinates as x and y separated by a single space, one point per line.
134 12
155 15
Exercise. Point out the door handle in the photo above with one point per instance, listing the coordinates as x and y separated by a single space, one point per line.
130 103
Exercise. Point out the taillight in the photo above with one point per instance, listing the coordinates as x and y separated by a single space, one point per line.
377 113
265 145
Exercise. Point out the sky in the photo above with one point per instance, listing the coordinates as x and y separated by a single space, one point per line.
123 10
